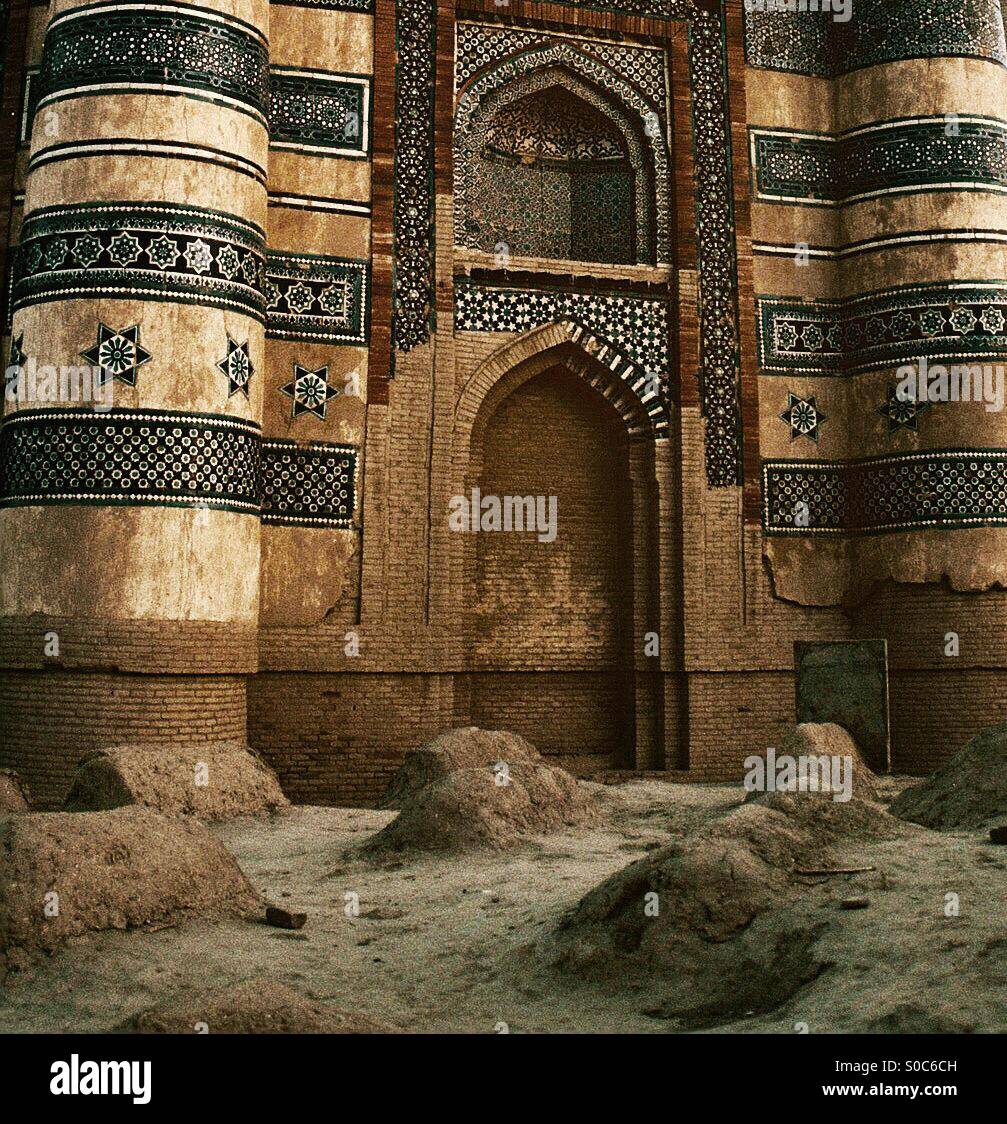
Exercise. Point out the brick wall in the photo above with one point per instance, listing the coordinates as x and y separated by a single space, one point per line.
51 719
567 602
338 739
733 715
580 720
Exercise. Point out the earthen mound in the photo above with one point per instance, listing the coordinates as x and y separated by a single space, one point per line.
712 926
468 808
814 741
13 793
910 1018
465 748
216 781
63 875
967 793
824 821
255 1006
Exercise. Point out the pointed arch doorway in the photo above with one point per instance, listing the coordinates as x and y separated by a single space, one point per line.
553 613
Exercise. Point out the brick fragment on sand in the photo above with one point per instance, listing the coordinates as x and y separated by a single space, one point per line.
284 919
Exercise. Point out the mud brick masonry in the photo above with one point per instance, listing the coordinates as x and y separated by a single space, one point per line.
338 261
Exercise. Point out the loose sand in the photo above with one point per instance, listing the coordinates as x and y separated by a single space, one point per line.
465 747
254 1006
455 943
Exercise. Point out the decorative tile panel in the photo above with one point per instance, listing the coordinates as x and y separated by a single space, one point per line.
329 5
798 42
880 31
140 251
719 374
308 485
136 457
158 458
553 63
943 489
479 45
323 114
413 174
637 326
887 30
312 297
172 48
966 153
883 329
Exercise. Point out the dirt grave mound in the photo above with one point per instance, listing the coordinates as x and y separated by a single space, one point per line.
469 809
713 924
467 747
826 742
66 874
967 793
255 1006
910 1018
215 781
13 793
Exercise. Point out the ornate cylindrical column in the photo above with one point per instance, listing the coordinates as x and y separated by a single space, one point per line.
130 447
883 350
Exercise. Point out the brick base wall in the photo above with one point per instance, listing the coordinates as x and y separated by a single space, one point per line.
582 721
338 739
934 713
733 715
49 720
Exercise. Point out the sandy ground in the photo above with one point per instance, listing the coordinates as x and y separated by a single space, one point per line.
447 944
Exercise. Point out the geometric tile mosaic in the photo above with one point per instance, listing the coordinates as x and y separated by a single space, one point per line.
159 458
718 373
236 367
317 298
887 328
889 159
798 42
413 170
216 57
803 417
143 251
135 457
478 45
637 326
812 43
117 354
901 413
551 65
308 485
946 489
324 114
329 5
310 391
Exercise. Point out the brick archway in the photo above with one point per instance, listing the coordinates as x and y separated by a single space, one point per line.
551 413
